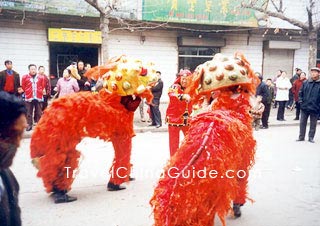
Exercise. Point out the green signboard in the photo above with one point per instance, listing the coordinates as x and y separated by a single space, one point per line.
218 12
71 7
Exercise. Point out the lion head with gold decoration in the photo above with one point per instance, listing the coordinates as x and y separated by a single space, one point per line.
124 76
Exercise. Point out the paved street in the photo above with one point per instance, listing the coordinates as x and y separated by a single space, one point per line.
285 184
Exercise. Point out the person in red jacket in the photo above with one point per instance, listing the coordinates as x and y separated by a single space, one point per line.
33 86
295 90
179 110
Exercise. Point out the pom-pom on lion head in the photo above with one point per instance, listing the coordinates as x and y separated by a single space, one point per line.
124 76
223 72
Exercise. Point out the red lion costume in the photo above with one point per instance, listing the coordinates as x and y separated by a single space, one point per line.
108 115
219 141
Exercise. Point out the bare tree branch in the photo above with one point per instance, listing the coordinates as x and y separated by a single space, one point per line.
281 16
96 5
281 6
310 18
278 9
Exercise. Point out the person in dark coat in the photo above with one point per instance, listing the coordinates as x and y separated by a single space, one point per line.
154 107
83 82
10 80
263 91
294 78
12 124
309 99
295 90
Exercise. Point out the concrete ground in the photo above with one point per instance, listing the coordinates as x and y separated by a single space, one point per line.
284 183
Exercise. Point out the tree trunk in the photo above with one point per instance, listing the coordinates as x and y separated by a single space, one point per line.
104 27
312 37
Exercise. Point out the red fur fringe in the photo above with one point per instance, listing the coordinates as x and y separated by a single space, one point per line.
65 122
230 145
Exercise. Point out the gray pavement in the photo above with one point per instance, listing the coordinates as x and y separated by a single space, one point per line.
284 184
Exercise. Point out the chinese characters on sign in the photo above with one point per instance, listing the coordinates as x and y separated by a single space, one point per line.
218 12
74 36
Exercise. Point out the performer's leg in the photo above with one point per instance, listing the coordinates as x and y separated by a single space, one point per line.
121 167
240 200
57 174
173 139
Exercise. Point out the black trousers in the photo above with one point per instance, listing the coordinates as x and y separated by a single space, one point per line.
35 106
265 115
297 110
282 106
303 124
155 115
290 101
45 102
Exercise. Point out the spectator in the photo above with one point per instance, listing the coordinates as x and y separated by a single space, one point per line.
87 67
295 77
83 82
10 80
274 81
257 111
263 91
309 99
295 90
67 84
12 124
33 86
154 107
179 110
141 111
283 85
47 89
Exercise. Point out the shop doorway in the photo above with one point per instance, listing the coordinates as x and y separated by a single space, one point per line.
277 59
63 54
191 57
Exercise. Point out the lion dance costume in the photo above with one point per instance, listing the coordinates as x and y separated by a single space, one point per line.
107 115
219 141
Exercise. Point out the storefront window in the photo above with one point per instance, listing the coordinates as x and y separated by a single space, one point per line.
191 57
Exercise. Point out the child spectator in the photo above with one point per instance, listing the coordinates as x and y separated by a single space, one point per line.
256 112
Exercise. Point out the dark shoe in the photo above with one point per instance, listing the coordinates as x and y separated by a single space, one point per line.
296 119
158 126
311 140
152 125
300 139
29 128
132 179
62 197
236 210
115 187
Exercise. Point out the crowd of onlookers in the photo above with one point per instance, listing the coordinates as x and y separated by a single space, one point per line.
36 87
297 93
